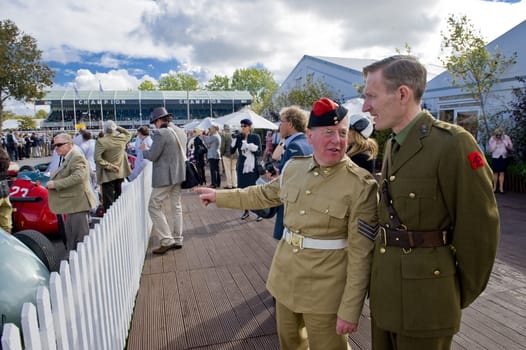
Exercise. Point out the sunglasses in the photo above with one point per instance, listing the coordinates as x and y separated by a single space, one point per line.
57 145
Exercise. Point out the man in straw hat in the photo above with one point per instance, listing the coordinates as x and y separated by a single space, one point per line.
320 271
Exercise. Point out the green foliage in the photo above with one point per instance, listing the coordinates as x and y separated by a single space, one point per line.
41 114
8 115
219 83
518 114
259 82
305 95
518 169
147 85
472 67
22 75
179 82
27 123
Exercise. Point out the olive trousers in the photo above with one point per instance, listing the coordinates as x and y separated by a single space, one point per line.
385 340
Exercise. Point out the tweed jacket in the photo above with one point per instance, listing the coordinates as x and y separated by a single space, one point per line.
167 155
337 202
110 150
438 180
72 192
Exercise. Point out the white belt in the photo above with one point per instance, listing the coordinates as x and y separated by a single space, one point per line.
297 240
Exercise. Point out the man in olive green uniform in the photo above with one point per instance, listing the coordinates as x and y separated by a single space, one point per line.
439 224
321 267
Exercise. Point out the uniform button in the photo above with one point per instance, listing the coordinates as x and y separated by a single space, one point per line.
436 273
316 173
308 192
392 178
302 212
412 195
295 250
326 171
391 217
382 250
326 211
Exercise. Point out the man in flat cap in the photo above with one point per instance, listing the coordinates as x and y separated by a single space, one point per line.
320 271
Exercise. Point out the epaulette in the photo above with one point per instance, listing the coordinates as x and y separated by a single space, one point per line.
360 172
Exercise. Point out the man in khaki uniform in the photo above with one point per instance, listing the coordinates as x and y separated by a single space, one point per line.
439 224
112 161
320 271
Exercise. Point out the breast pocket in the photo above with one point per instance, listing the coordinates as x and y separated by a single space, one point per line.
414 199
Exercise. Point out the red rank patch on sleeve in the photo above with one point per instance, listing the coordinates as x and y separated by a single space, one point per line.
476 160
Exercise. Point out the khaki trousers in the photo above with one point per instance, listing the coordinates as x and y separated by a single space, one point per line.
166 213
308 331
229 165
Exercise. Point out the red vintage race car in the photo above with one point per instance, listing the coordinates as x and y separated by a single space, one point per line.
29 198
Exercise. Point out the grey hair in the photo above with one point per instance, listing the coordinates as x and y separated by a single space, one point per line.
109 127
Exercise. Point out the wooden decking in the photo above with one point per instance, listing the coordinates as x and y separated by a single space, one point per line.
211 294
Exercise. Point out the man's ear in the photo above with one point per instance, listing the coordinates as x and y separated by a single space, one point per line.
405 94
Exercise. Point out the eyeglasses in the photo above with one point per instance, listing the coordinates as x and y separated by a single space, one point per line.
57 145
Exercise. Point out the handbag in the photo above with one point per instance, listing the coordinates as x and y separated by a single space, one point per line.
192 177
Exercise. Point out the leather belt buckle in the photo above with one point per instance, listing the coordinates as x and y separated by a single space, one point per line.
296 240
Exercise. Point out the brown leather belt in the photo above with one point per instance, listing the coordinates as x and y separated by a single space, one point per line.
414 239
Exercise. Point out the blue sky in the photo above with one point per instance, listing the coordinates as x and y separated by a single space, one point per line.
123 42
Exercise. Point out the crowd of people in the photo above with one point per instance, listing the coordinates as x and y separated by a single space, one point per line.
411 238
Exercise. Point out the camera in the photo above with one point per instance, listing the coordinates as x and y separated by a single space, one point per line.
267 167
270 168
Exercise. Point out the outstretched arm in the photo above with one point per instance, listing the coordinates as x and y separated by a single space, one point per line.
207 195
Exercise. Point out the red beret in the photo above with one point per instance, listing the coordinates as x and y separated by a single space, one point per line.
326 112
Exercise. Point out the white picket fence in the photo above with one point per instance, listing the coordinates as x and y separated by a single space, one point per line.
89 304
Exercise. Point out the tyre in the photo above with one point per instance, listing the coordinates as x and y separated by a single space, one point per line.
41 246
26 168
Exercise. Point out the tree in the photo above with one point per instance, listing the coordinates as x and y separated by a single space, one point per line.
179 81
22 75
259 82
218 83
305 95
147 85
518 114
41 114
27 123
472 67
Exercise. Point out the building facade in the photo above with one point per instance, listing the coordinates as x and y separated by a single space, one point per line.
130 109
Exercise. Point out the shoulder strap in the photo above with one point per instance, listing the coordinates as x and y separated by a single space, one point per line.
178 141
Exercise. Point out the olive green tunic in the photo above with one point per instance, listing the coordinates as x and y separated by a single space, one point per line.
437 180
338 202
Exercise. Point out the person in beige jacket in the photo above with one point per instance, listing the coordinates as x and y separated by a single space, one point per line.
321 267
112 161
69 191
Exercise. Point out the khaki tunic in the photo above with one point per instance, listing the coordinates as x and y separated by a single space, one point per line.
435 186
110 150
321 203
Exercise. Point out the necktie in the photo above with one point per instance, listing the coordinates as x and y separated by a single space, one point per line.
61 161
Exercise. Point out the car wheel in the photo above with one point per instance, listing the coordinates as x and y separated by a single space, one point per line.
41 246
26 168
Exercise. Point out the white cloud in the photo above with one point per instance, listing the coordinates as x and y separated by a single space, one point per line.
216 37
